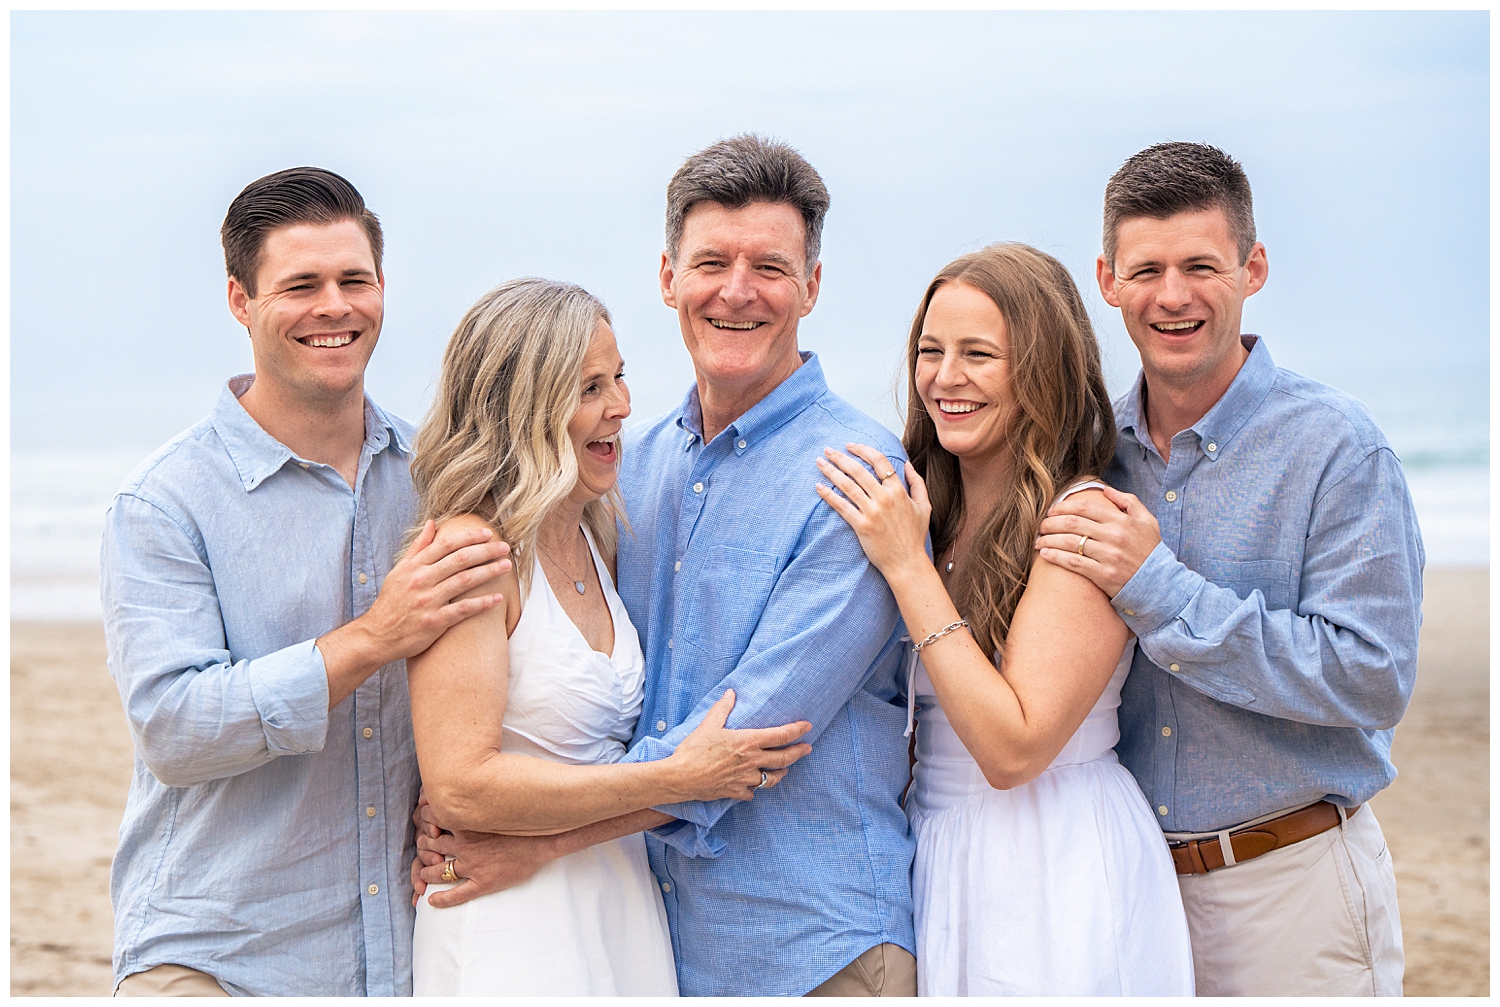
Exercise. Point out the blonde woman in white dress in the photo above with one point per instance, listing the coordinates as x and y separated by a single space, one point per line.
1040 870
520 714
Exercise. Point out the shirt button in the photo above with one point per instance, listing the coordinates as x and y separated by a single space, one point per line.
677 565
1171 495
303 464
363 578
1161 809
373 889
370 813
1174 667
1166 732
741 445
697 487
666 886
661 725
669 644
1130 611
369 733
1212 447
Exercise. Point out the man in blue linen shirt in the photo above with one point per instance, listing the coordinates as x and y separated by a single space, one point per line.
1266 555
257 626
736 577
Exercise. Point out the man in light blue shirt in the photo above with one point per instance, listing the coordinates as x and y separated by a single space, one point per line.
1266 554
257 625
736 577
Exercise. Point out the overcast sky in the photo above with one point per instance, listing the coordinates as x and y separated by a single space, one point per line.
498 145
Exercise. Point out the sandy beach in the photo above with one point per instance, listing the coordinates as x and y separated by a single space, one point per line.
71 765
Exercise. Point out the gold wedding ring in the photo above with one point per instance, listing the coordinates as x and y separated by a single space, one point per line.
449 874
1081 540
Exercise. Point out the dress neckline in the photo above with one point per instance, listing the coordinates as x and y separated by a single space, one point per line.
607 590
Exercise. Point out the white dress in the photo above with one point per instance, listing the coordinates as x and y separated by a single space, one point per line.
1061 886
588 924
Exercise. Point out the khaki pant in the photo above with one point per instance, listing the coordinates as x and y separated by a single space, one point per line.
886 970
1317 918
170 981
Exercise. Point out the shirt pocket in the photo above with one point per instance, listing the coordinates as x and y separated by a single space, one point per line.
728 598
1271 577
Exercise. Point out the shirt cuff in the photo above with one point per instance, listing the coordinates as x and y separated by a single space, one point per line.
290 690
1157 593
688 838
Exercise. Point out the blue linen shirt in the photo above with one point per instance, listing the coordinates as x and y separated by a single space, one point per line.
737 575
1278 617
266 839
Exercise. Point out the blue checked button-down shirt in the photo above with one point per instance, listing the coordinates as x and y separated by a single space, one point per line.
1278 617
266 839
739 576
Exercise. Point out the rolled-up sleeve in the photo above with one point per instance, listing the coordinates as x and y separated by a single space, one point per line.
196 713
827 625
1345 656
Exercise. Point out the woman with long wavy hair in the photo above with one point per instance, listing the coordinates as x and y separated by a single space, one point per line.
1040 869
521 713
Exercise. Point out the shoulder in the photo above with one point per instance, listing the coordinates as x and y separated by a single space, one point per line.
177 473
833 416
1334 412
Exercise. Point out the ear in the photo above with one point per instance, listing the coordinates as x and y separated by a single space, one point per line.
1105 274
667 275
814 284
239 303
1258 267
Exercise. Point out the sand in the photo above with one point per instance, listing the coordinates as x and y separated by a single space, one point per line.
71 766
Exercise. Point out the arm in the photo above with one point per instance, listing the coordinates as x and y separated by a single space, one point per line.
458 695
1063 645
1344 657
196 714
827 621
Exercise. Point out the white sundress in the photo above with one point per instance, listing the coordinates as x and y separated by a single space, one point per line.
590 923
1061 886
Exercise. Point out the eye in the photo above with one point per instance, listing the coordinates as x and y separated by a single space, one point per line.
929 351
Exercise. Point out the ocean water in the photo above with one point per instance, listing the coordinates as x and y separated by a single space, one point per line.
58 502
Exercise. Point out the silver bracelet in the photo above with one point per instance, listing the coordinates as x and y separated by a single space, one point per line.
934 638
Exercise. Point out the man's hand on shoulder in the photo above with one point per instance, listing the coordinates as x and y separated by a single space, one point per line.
1120 532
421 598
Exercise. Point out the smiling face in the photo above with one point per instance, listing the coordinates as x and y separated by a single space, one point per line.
316 317
740 286
963 372
603 405
1181 288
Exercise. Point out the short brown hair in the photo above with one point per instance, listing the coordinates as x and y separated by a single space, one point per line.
1177 177
284 199
748 169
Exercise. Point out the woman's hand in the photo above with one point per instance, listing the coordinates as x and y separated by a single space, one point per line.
892 526
715 762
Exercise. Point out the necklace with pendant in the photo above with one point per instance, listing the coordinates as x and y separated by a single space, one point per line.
578 584
952 550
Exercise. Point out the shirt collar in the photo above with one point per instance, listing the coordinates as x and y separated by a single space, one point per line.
1225 418
257 455
801 389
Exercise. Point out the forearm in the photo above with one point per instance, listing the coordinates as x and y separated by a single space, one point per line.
519 795
608 830
351 654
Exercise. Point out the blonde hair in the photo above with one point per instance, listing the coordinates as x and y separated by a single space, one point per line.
1062 426
495 442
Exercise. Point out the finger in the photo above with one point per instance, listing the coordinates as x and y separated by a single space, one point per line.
461 582
422 541
877 460
774 778
418 885
465 890
856 471
448 540
1068 561
918 486
781 758
1070 524
841 506
775 737
432 874
452 614
1064 541
451 568
719 712
1127 502
852 491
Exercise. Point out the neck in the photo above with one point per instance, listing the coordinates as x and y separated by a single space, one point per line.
722 404
981 479
330 432
1174 406
558 533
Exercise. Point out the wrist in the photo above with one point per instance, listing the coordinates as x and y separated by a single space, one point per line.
351 649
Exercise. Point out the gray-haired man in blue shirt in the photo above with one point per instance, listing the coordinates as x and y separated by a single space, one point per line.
1265 552
257 624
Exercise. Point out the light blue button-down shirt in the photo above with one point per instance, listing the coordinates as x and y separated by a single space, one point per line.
1278 617
266 840
739 576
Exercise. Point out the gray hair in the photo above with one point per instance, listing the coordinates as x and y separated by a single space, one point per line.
495 442
1178 177
745 169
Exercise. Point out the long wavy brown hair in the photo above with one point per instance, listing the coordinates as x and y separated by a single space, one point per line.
1062 426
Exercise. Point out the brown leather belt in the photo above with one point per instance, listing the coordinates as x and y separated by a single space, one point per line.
1199 856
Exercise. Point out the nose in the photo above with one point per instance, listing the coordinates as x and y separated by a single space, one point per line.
331 301
950 371
617 405
739 287
1173 293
